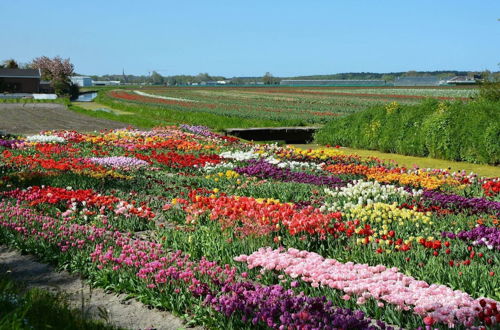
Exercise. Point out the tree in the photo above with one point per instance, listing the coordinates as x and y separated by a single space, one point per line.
388 77
156 78
53 69
237 81
203 77
489 87
10 64
411 73
269 79
58 71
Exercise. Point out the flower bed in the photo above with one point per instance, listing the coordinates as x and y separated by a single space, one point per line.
352 242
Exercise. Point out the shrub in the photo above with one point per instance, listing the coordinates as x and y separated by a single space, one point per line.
489 89
454 131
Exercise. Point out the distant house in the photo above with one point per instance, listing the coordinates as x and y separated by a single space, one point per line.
20 80
462 80
81 81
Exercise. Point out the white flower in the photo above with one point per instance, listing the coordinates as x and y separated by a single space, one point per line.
239 155
364 193
45 139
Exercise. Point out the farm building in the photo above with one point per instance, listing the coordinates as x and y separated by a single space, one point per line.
331 82
81 81
417 81
462 80
20 80
46 87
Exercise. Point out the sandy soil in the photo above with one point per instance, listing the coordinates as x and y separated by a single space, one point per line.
128 314
31 118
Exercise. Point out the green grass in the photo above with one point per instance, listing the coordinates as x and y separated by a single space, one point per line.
422 162
58 100
38 309
99 107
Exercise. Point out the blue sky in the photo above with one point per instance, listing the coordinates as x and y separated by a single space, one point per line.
248 38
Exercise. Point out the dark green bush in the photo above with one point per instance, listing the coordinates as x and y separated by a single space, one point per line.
454 131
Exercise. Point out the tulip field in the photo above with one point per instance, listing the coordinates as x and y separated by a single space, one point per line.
234 235
299 105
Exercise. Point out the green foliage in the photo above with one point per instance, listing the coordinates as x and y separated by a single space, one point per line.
35 309
490 90
454 131
156 78
60 100
269 79
10 64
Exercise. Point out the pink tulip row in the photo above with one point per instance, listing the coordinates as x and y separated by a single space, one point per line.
116 250
386 285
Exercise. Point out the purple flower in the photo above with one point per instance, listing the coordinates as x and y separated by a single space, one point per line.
278 308
10 144
265 170
462 204
482 235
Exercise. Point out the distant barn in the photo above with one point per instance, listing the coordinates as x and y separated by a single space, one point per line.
81 81
463 80
20 80
333 82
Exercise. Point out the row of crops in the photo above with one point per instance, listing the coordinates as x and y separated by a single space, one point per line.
299 105
237 235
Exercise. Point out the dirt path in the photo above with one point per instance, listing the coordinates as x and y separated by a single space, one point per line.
31 118
129 314
163 97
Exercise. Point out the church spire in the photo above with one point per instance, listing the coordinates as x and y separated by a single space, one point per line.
124 76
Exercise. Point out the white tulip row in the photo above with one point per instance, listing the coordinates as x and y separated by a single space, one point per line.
240 155
45 139
363 193
210 168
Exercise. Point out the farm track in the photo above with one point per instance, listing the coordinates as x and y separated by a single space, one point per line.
31 118
95 302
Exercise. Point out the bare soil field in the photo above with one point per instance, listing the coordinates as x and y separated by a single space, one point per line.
31 118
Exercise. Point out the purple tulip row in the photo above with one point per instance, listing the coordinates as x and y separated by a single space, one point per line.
482 235
10 143
265 170
279 308
200 130
462 204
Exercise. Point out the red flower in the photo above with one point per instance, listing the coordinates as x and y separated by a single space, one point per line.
428 320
